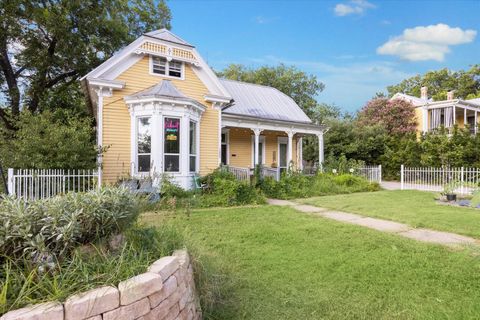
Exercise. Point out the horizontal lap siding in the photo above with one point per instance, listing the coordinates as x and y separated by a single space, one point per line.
116 119
240 141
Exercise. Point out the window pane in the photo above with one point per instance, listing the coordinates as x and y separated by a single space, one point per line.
224 138
143 135
193 163
172 163
193 138
159 65
144 163
175 69
172 135
260 152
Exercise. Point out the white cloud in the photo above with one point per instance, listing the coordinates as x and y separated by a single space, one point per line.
352 7
264 20
426 43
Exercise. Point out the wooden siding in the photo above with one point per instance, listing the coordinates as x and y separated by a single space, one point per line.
240 145
116 120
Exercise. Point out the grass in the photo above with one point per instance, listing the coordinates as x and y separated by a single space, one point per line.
415 208
275 263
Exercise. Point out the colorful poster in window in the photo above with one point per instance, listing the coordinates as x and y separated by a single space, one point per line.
172 135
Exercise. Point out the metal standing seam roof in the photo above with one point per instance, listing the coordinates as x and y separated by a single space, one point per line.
262 102
163 89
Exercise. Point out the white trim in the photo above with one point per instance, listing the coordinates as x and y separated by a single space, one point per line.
248 123
167 68
261 139
112 84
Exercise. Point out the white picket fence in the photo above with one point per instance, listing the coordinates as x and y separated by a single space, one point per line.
434 179
32 184
370 172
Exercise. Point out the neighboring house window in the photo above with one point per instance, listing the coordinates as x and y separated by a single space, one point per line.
193 146
171 68
172 145
144 139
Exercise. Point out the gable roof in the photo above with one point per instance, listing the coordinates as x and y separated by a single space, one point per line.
474 101
416 101
166 35
262 102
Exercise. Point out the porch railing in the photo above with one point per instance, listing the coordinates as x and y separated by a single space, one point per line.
31 184
242 174
271 172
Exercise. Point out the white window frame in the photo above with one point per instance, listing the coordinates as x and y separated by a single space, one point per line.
261 139
137 119
196 146
226 132
179 154
167 68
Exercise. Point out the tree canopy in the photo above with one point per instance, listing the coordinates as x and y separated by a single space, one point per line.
46 46
465 83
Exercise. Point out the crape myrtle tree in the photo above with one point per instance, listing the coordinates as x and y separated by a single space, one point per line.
46 46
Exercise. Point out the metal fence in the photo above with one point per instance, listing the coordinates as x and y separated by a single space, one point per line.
463 180
31 184
370 172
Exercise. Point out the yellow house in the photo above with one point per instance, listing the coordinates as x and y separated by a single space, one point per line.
432 115
161 109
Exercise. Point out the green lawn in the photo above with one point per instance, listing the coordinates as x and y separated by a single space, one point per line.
281 264
414 208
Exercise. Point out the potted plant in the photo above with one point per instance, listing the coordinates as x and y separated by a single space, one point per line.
449 190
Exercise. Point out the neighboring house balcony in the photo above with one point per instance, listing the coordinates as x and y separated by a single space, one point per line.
448 114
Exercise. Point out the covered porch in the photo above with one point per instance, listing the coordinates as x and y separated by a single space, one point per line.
275 145
454 113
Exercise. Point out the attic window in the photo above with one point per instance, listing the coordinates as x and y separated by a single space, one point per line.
171 68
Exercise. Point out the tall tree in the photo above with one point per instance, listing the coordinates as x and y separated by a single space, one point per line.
465 83
47 45
301 87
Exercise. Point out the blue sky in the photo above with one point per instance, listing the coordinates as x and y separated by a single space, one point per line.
356 48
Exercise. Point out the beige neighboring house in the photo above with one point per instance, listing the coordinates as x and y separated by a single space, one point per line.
447 113
161 109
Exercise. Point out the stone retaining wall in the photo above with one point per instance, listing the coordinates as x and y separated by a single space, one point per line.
165 291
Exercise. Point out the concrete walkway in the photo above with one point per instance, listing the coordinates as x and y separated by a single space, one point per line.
404 230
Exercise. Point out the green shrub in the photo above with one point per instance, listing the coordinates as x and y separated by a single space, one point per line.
295 185
21 284
57 225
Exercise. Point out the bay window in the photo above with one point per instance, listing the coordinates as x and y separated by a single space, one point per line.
144 144
193 146
171 144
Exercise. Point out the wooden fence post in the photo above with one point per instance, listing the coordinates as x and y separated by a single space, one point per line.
401 178
10 181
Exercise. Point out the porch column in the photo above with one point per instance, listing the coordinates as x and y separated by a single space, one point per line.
257 141
300 153
184 149
464 117
290 147
454 116
476 123
321 157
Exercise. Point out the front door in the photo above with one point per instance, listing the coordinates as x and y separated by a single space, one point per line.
282 156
